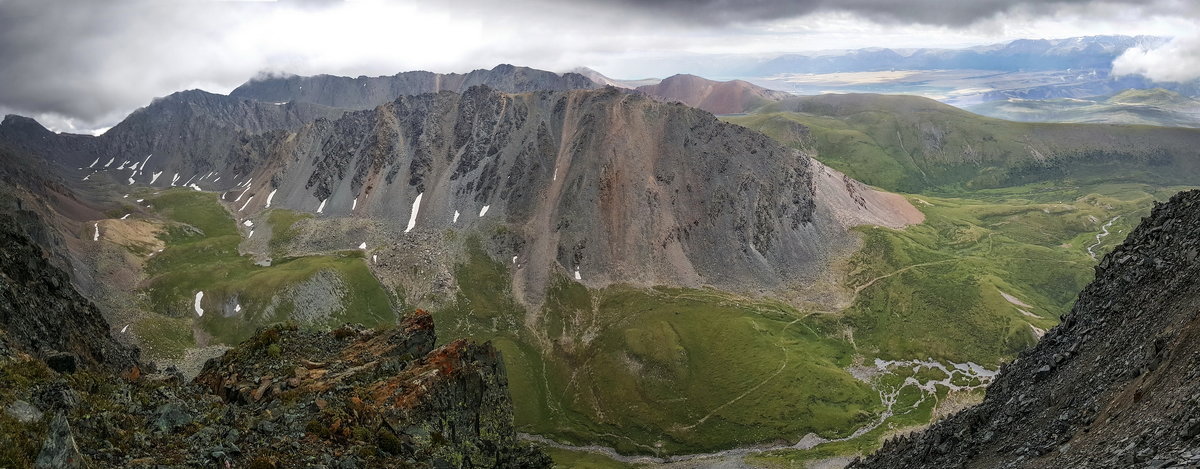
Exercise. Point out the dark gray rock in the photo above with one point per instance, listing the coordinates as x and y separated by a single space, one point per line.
62 362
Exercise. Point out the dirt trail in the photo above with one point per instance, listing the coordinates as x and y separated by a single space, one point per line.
900 271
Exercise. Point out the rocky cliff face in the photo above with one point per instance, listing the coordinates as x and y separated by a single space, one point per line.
1115 385
369 92
43 313
717 97
600 186
350 397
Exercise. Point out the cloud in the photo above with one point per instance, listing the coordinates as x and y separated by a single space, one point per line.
955 13
1176 61
78 65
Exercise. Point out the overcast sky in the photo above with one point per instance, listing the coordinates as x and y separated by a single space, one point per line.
79 65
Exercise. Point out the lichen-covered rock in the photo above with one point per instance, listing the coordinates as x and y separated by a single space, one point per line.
1117 384
60 450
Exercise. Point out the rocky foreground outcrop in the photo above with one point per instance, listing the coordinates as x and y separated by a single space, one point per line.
1117 384
71 396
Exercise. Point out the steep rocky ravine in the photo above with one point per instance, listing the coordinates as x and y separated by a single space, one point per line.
1117 384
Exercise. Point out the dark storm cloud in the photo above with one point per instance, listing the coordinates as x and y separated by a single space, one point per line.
88 62
88 59
930 12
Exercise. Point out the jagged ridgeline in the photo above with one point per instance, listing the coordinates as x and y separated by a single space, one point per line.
367 92
1115 385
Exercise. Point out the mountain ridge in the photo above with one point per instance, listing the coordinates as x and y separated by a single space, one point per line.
717 97
368 92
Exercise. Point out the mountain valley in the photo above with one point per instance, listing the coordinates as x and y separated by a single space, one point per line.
798 280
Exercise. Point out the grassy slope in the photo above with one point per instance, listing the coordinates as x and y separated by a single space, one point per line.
641 369
910 144
202 255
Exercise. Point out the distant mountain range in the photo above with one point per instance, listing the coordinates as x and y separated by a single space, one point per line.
914 144
1148 107
1079 53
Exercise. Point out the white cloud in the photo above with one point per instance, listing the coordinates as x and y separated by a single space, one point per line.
1175 61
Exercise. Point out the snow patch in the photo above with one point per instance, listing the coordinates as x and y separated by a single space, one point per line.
271 196
248 223
110 162
237 308
354 205
412 217
321 208
245 204
199 310
96 237
126 216
514 259
175 179
1014 300
577 276
94 162
193 186
455 217
363 246
374 258
251 235
154 177
131 181
126 328
484 210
